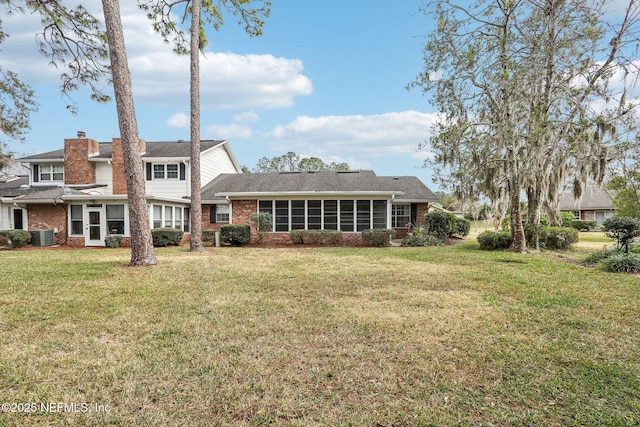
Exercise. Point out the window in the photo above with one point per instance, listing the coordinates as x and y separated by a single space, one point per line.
363 214
171 216
76 220
314 214
330 214
400 216
219 213
282 215
165 171
379 214
50 172
346 215
297 214
157 216
115 219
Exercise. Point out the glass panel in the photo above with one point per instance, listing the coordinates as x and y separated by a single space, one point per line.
314 214
168 216
364 214
76 212
346 215
178 218
297 214
158 171
172 171
157 216
379 214
222 213
282 215
187 219
400 216
94 225
76 219
115 219
330 214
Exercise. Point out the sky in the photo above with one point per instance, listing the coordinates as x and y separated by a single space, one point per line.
326 79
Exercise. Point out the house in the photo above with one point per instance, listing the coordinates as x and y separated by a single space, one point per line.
80 192
349 201
596 204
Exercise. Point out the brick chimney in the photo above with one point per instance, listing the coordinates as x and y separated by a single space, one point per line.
117 165
77 167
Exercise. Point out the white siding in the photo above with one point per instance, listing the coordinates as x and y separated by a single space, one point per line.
168 188
104 176
4 216
213 163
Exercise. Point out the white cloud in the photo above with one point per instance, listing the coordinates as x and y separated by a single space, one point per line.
355 136
161 77
229 131
245 117
179 120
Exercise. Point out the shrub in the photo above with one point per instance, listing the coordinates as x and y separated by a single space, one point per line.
166 236
209 236
622 263
567 219
420 239
596 257
623 229
377 237
559 238
17 238
113 241
583 225
494 240
3 240
440 224
236 234
462 227
316 237
262 222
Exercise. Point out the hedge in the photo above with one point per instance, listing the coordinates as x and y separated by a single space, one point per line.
377 237
236 234
316 237
494 240
16 238
166 236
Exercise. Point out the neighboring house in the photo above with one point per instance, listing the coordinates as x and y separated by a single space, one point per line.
596 204
325 200
80 192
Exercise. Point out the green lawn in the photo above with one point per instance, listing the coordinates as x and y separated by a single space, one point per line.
311 337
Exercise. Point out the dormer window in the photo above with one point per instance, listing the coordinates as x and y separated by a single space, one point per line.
48 172
166 171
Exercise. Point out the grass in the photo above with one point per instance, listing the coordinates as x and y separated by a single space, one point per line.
307 337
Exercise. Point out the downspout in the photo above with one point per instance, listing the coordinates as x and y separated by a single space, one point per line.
66 218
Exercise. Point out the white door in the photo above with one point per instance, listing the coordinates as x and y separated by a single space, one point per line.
94 233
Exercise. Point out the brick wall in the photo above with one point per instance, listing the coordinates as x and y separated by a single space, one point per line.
77 167
118 176
45 217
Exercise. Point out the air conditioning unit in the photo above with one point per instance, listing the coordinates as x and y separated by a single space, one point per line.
43 237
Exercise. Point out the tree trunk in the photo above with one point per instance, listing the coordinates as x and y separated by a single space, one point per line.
518 243
534 202
142 252
196 200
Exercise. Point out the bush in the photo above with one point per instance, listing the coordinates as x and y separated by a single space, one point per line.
462 227
316 237
4 241
377 237
17 238
596 257
621 263
583 225
567 218
236 234
494 240
440 224
420 239
262 222
209 236
166 236
113 241
558 238
623 229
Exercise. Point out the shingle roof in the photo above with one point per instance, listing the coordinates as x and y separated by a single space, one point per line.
13 187
593 198
154 149
405 187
